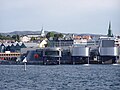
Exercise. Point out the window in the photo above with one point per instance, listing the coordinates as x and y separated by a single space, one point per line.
51 52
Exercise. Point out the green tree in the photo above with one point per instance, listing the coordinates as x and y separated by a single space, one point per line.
8 37
49 34
16 37
60 35
32 39
1 37
57 36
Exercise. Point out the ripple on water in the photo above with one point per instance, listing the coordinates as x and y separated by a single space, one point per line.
60 77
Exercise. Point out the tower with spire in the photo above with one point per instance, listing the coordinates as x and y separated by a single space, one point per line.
42 32
109 31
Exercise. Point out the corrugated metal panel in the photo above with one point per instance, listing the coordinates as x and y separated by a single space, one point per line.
80 51
108 51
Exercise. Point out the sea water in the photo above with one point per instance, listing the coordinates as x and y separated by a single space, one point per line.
60 77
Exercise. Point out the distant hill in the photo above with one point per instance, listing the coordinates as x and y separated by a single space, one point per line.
92 34
38 32
25 32
22 33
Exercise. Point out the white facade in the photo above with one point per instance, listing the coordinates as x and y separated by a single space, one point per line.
43 43
117 41
25 39
81 41
33 35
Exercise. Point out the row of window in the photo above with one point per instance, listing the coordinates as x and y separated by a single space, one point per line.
9 54
61 44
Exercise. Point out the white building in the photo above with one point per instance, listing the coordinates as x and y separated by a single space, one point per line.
117 41
81 41
43 43
33 35
25 39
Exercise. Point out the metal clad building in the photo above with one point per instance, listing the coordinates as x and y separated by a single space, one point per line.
80 51
109 51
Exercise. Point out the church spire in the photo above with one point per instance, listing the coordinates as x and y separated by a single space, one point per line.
109 25
42 32
109 30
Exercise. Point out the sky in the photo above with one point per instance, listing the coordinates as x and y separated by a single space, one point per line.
65 16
